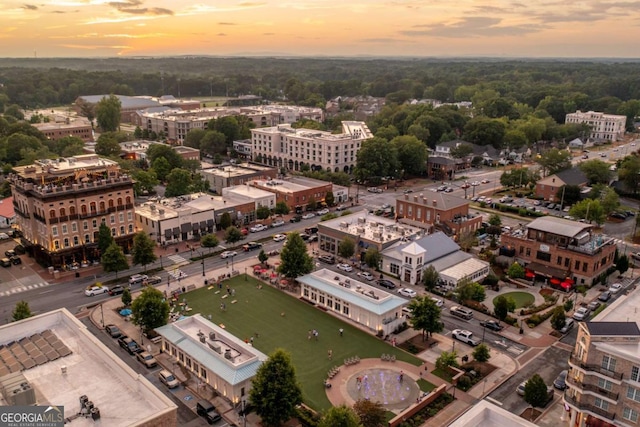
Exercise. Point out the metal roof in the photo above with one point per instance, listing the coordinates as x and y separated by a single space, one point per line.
559 226
436 245
613 328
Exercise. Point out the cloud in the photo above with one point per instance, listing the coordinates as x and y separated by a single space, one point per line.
221 35
30 7
133 7
383 40
227 23
268 34
93 47
476 26
251 4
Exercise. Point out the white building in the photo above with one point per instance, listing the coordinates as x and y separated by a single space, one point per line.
408 260
359 302
285 147
60 361
249 195
213 355
175 123
608 127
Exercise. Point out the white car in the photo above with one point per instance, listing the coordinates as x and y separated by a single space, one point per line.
279 237
582 313
475 183
277 223
96 290
407 292
484 181
366 275
345 267
308 215
257 228
323 211
438 301
615 288
228 254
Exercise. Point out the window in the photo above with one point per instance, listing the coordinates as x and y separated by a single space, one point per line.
559 262
129 216
605 384
337 307
630 414
602 404
54 231
74 227
635 373
544 256
633 393
64 229
66 242
85 225
130 228
345 310
87 239
566 262
394 269
121 217
113 219
52 213
528 252
122 230
94 223
608 363
113 232
577 265
585 266
56 244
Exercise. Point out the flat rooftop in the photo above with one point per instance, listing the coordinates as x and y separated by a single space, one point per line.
485 414
559 226
246 191
353 291
123 397
181 205
79 122
623 310
65 165
371 227
231 171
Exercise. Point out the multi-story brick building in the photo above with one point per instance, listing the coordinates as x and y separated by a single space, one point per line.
239 174
603 126
61 203
438 210
561 251
548 188
603 383
79 127
295 149
296 192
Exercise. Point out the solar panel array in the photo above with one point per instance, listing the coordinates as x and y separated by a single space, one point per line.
35 350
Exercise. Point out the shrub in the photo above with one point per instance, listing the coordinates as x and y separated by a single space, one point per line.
537 308
477 306
511 320
464 382
536 319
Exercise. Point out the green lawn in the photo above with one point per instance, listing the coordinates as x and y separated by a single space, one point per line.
260 310
522 299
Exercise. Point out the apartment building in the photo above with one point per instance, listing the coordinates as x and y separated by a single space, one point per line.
60 204
608 127
79 127
603 383
296 149
438 211
560 251
175 123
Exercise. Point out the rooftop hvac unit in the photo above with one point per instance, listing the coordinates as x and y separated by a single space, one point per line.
153 208
227 354
377 235
215 346
161 211
360 230
373 224
203 339
361 220
212 336
344 225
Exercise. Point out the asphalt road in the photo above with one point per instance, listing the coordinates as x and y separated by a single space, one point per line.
548 365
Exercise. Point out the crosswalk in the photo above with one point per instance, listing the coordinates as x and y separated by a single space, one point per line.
23 288
178 259
178 274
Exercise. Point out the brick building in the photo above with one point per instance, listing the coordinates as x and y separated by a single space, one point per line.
438 211
560 251
547 188
229 175
603 383
79 127
296 191
61 203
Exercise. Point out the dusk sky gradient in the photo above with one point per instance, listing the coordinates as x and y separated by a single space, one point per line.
442 28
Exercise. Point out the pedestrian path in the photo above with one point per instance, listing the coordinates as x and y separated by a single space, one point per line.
178 259
23 288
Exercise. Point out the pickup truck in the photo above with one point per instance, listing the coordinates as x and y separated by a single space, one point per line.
465 336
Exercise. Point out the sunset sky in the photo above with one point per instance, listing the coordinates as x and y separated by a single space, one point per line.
445 28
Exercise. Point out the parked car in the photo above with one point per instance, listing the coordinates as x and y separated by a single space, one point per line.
147 359
581 313
605 296
551 206
129 344
311 230
341 208
366 275
386 284
328 259
168 379
15 260
312 238
5 262
438 301
228 254
407 292
618 215
594 305
345 267
407 191
277 223
322 211
10 253
279 237
205 409
568 325
615 288
308 215
448 190
113 331
295 218
485 181
491 324
137 279
251 246
465 336
374 190
95 290
116 290
257 228
153 280
561 380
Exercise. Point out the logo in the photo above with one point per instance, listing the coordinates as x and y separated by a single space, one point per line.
31 416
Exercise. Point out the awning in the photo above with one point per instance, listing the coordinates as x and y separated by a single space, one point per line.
547 271
185 228
167 233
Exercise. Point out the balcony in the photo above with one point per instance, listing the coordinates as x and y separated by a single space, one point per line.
50 190
593 388
589 407
595 368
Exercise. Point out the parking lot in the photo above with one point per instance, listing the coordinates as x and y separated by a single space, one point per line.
16 277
